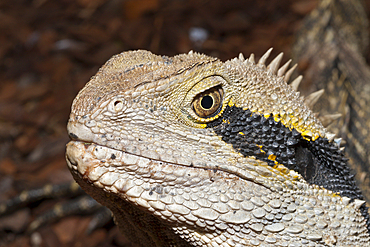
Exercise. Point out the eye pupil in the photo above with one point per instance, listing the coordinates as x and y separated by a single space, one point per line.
207 102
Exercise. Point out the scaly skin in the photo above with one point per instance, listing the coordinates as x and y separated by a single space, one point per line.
178 167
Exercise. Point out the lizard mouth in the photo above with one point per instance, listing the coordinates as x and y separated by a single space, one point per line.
94 160
107 167
103 166
175 193
178 193
151 183
119 171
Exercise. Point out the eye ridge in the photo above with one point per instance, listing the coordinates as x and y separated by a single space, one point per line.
209 103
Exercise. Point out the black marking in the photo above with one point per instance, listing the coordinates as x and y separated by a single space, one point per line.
158 189
113 156
319 162
73 136
133 68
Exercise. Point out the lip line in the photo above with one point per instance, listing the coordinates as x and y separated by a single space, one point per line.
84 134
240 176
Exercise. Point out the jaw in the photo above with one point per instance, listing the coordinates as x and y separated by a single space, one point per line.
136 223
158 204
139 226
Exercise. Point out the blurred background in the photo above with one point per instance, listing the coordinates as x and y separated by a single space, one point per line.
49 50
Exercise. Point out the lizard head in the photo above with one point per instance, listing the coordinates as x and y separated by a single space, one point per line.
192 146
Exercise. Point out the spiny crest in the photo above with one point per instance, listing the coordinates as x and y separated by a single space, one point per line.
273 67
283 68
296 82
330 136
251 58
286 73
264 57
312 99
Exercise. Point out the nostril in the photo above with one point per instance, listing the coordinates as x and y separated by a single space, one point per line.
73 136
116 105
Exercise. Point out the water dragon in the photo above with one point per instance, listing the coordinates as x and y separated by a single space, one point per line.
192 151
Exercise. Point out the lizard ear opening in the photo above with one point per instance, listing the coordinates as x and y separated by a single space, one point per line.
209 103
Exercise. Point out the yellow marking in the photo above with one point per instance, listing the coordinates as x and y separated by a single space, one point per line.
290 121
307 135
293 122
335 194
231 103
272 157
226 121
261 150
202 126
281 168
241 133
315 136
294 174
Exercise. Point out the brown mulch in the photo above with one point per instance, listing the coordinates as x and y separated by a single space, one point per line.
50 49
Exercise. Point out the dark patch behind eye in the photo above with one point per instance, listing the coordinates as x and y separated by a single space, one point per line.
319 162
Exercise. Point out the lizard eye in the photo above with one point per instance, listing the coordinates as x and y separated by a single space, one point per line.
209 103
